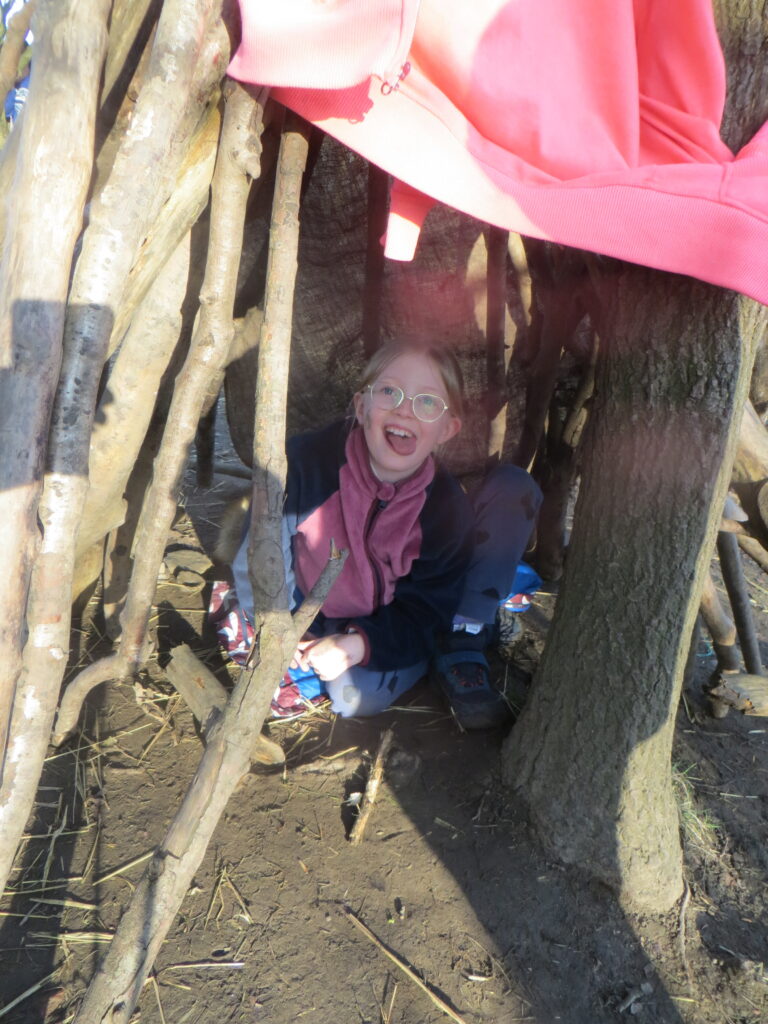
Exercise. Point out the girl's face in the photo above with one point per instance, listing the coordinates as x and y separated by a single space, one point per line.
398 442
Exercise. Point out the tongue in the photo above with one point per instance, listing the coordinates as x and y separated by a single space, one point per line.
401 445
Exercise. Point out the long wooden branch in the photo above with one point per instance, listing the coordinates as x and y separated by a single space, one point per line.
555 316
736 586
497 352
265 549
755 550
128 16
42 225
116 987
721 626
117 223
519 261
129 398
750 464
116 228
237 161
13 47
187 198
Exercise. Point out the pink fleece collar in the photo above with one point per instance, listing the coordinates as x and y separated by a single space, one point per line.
375 521
367 483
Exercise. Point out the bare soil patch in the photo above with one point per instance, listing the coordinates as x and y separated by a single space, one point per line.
448 876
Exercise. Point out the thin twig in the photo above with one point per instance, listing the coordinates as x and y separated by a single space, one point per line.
388 1019
404 967
371 788
75 904
156 988
194 965
30 991
226 880
681 934
123 867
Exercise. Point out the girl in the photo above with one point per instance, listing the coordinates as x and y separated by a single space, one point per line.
425 566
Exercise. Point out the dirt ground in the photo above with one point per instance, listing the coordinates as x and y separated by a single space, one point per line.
448 877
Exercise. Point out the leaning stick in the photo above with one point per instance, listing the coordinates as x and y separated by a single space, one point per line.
407 971
735 585
498 352
755 550
208 352
206 698
720 625
371 788
30 991
40 230
115 989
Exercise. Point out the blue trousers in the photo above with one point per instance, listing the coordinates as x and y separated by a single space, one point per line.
506 504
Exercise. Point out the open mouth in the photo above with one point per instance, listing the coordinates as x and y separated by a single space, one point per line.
400 440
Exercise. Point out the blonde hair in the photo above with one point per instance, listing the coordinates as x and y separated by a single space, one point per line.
443 359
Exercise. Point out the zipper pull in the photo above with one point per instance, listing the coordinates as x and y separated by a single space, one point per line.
390 87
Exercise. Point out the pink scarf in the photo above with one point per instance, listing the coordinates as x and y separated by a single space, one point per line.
376 521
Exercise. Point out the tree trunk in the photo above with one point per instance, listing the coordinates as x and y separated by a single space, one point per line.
591 752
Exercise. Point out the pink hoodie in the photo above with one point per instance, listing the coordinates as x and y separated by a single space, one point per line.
593 124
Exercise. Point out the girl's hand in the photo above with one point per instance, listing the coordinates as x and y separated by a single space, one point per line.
331 656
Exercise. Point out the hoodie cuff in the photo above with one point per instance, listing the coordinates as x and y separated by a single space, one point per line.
407 209
366 643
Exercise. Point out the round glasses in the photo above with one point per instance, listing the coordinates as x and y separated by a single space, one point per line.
388 397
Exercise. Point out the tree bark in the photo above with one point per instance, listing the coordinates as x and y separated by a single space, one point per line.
41 227
128 19
591 752
182 210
